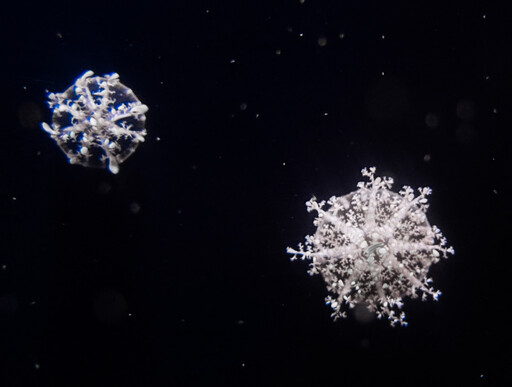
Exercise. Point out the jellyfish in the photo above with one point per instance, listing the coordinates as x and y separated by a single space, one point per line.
97 122
374 247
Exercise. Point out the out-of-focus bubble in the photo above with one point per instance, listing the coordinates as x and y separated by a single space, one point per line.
8 305
432 120
29 115
134 208
465 134
104 188
362 314
110 307
465 110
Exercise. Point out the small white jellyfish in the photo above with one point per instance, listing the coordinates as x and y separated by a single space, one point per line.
97 122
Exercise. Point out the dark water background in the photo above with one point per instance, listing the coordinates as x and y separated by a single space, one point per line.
174 271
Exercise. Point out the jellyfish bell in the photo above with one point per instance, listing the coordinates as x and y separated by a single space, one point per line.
97 121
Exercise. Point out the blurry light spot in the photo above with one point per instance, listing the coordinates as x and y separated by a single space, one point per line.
243 106
110 307
8 305
465 134
426 158
29 115
432 120
342 35
322 41
134 208
104 188
465 110
362 314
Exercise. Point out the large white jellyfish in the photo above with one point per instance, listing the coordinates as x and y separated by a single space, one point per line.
97 122
374 247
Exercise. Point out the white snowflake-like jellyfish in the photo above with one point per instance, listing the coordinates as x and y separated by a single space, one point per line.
97 122
374 247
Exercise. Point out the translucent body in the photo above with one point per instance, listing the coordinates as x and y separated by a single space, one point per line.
97 122
374 247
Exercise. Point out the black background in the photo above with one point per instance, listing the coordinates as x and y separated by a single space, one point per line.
174 271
